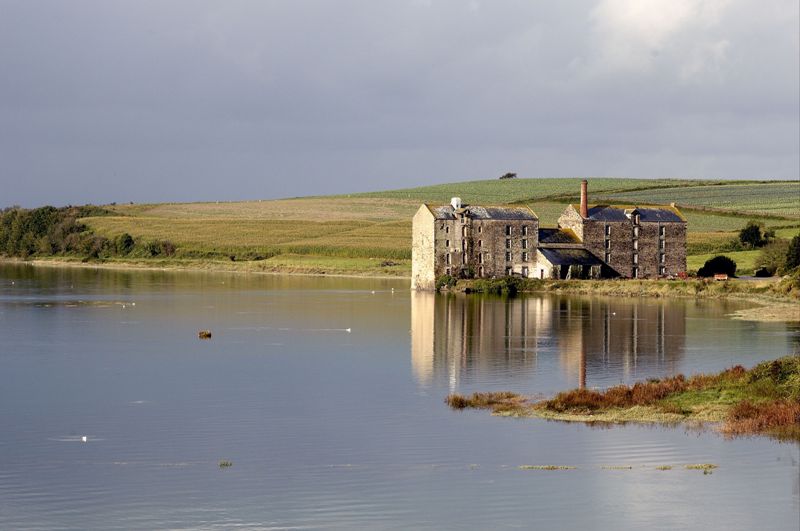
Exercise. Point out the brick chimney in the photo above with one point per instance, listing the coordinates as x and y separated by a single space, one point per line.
584 199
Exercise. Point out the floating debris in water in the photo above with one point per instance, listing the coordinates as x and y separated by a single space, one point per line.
546 467
204 334
707 468
664 467
225 463
84 438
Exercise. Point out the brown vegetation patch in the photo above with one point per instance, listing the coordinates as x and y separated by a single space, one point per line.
780 418
498 402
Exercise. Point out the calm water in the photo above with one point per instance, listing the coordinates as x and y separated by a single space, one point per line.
330 429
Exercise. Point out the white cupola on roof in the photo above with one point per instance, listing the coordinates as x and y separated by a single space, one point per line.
456 203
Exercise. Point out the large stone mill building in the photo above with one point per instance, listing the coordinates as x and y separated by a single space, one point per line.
602 241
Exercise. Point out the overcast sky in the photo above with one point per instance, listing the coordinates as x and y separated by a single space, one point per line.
162 100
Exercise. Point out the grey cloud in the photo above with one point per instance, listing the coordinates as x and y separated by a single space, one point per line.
200 100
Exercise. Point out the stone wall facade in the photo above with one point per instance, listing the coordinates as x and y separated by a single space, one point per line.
423 263
630 248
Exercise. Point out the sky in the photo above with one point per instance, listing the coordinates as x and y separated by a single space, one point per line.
192 100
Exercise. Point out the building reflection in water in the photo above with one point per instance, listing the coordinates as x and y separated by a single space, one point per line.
457 337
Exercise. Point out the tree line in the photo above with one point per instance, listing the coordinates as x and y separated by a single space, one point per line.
49 231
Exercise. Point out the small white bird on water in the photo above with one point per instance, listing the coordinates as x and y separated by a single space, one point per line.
348 330
84 438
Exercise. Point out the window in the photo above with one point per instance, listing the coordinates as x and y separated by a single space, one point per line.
447 259
608 244
447 243
662 270
663 258
636 232
636 244
480 258
635 272
508 230
636 219
635 258
508 244
464 232
524 244
608 230
524 230
480 271
463 218
608 257
662 244
525 272
524 257
447 229
480 229
508 257
662 231
508 271
480 243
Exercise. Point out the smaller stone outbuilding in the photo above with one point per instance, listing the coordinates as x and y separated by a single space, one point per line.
567 264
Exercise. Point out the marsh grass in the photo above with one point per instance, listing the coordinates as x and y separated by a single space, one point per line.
502 402
764 400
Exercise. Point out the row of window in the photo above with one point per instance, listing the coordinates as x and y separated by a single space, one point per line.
662 231
480 244
662 258
662 244
508 272
509 229
449 260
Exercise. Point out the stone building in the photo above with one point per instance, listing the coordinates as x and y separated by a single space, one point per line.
469 241
631 241
472 241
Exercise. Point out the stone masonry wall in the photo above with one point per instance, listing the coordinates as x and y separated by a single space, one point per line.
422 250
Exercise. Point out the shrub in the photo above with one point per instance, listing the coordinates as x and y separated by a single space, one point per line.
445 281
772 258
793 254
123 244
720 264
752 236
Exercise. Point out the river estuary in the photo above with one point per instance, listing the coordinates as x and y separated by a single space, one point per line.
326 395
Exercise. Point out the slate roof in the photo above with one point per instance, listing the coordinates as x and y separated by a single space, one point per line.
570 257
480 212
550 236
646 214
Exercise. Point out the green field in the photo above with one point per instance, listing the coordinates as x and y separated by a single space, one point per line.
358 233
771 198
745 261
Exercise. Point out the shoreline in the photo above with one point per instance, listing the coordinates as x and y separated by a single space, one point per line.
201 267
770 306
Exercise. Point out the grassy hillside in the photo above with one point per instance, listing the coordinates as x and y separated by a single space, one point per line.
360 233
